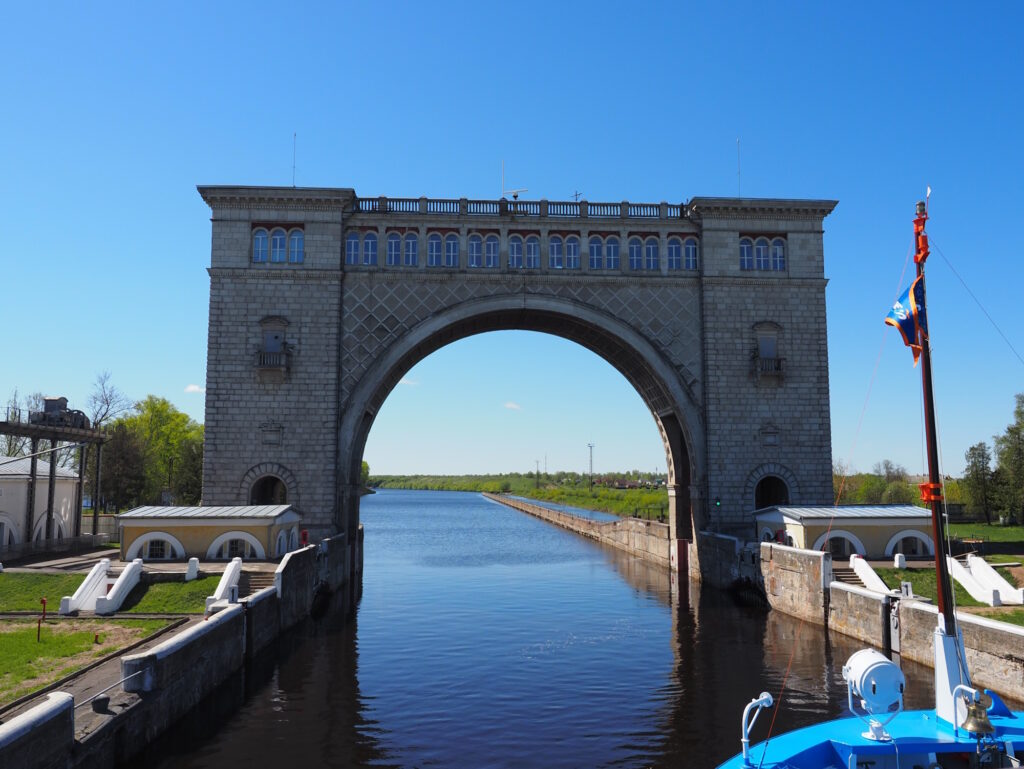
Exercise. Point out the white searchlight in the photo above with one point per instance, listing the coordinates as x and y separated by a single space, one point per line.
878 683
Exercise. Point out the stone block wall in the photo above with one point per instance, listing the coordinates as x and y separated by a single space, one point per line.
859 613
262 612
295 580
795 580
40 738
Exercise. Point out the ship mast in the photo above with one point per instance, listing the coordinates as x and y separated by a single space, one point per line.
931 492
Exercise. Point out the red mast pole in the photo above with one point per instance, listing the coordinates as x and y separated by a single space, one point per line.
931 492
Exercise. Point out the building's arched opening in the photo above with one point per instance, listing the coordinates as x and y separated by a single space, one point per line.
771 490
910 542
235 544
268 490
8 532
841 544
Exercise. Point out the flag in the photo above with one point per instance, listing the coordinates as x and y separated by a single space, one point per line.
908 316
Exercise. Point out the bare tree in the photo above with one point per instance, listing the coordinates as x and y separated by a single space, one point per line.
106 402
17 410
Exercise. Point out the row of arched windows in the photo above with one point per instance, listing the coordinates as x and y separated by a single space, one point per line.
523 252
762 254
277 245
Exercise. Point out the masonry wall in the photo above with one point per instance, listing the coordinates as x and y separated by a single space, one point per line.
795 580
859 613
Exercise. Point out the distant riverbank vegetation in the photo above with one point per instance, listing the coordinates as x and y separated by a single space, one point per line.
632 493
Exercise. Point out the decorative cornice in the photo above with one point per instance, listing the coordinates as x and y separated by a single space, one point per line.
760 208
291 198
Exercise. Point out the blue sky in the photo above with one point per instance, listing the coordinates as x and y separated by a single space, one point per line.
114 112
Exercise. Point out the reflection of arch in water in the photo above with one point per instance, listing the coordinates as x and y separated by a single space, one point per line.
657 380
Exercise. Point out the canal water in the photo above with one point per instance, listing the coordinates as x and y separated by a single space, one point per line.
487 638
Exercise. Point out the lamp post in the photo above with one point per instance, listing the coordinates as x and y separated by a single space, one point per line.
591 447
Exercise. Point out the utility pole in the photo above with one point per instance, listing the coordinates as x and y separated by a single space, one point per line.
536 475
591 447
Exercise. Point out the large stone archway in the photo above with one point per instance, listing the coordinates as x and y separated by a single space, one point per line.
714 310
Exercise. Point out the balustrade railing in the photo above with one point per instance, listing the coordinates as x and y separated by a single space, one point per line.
483 207
644 210
367 205
524 207
271 359
403 206
568 209
563 209
442 206
768 366
604 209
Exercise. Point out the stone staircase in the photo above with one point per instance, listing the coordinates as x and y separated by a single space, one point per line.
250 582
846 575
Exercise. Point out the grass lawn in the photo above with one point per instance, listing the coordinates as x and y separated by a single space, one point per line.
923 581
21 592
171 597
988 532
64 647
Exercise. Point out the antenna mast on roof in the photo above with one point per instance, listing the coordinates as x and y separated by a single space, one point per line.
294 142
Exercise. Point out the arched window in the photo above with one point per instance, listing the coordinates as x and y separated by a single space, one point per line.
690 254
394 250
771 490
8 532
293 538
636 254
277 245
779 254
281 545
651 254
352 248
555 253
596 255
268 490
451 251
159 550
476 251
412 247
746 254
515 252
675 254
491 251
761 253
370 248
533 252
259 245
156 545
296 247
572 253
611 253
235 544
434 250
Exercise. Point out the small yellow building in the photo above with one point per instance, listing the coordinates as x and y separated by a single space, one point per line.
208 533
873 531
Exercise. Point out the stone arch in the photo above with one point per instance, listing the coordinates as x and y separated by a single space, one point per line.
59 528
211 551
664 387
11 531
770 468
852 538
890 546
264 469
135 551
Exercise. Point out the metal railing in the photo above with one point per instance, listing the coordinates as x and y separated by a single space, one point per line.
66 544
271 359
768 366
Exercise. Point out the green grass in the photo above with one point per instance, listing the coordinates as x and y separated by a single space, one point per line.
64 646
171 597
923 581
987 532
21 591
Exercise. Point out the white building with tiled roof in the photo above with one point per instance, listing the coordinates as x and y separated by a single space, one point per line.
14 486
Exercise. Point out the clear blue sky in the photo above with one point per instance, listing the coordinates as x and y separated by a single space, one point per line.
113 113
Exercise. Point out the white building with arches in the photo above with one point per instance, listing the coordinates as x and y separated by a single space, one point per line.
14 486
873 531
251 532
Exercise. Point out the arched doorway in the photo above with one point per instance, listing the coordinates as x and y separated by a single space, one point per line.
268 490
770 490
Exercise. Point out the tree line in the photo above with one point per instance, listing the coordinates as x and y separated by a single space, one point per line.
998 491
153 453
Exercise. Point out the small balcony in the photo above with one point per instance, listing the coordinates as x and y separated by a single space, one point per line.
768 367
272 361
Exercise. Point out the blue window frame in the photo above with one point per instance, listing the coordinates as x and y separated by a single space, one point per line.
394 250
412 248
451 251
746 254
636 254
352 248
675 254
491 251
434 250
596 253
475 251
778 254
515 252
296 247
259 246
611 253
533 252
555 253
572 253
370 248
761 259
690 254
277 245
651 254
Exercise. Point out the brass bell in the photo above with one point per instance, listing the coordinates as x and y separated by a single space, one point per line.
977 721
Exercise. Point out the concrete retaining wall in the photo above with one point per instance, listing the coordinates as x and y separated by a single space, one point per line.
40 738
295 580
859 613
718 555
335 568
647 539
262 612
995 650
795 580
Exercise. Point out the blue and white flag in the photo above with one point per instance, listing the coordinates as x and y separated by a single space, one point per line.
908 316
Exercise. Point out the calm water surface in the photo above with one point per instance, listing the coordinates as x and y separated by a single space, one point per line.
487 638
